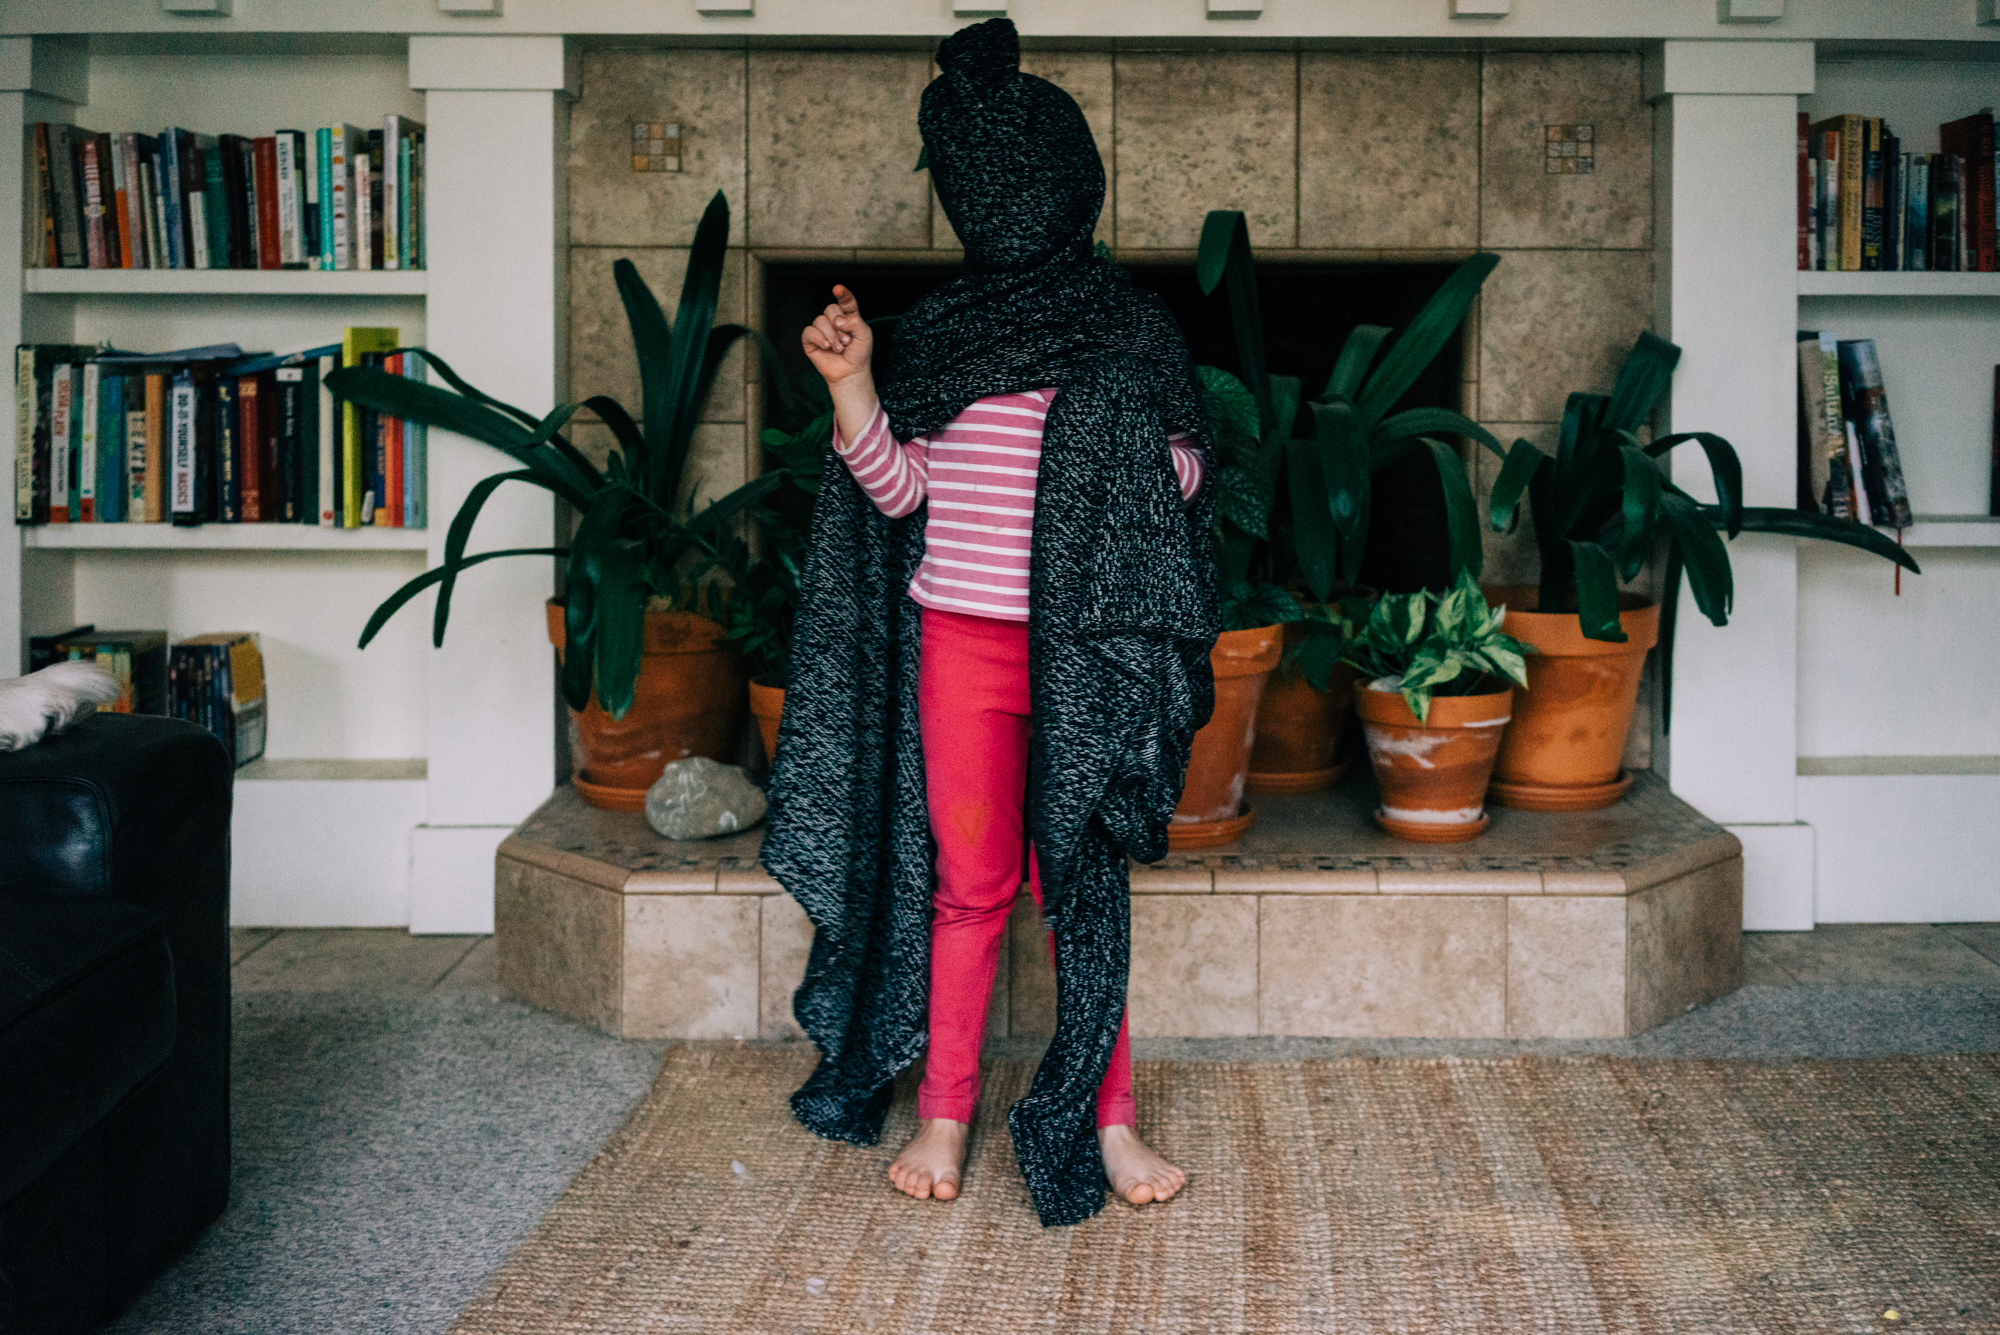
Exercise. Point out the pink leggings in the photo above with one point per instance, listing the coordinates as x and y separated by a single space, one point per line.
972 705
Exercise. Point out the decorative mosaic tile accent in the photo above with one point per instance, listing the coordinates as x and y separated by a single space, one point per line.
1571 150
656 146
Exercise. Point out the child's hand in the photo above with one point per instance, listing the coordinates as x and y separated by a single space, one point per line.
839 343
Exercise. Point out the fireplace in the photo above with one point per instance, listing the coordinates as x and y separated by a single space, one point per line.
1309 310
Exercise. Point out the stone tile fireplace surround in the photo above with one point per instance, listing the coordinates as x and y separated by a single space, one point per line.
1351 157
1344 157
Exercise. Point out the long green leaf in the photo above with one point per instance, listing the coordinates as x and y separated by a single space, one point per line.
620 626
400 396
1640 511
1647 371
1670 611
591 549
458 382
1356 356
689 362
394 602
1318 542
455 539
1596 592
1723 466
1224 257
1461 512
652 340
1807 524
1418 345
713 516
1703 556
1522 462
1431 421
1569 437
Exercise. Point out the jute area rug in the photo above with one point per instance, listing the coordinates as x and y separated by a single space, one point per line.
1473 1195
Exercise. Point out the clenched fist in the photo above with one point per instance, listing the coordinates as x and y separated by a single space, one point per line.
839 342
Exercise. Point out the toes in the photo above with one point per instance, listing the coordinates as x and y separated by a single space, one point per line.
946 1189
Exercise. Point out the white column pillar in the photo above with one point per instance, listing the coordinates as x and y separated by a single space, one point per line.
497 116
41 79
1729 292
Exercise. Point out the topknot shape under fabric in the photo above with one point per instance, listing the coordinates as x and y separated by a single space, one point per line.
988 53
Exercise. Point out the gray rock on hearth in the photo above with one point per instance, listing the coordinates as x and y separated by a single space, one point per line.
700 798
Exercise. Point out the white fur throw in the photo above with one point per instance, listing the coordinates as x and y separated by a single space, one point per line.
44 703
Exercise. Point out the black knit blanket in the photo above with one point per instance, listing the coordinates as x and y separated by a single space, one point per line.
1122 615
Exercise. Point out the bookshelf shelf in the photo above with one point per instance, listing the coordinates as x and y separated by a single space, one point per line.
1819 283
222 537
229 282
1953 531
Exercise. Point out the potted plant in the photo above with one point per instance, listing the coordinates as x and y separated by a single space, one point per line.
1211 810
1601 507
1309 534
647 672
1436 681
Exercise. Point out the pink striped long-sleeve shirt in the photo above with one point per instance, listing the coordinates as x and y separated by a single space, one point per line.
979 473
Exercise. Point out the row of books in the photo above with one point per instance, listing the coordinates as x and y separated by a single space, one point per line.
1849 466
214 680
1866 205
333 198
211 434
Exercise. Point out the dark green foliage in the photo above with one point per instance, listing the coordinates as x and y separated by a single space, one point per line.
635 539
1326 468
1601 507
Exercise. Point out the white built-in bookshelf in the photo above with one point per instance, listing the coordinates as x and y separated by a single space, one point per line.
391 772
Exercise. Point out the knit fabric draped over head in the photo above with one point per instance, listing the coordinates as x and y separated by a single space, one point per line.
1122 615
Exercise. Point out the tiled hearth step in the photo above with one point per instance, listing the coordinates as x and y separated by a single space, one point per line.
1551 925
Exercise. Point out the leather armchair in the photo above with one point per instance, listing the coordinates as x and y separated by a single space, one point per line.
114 1012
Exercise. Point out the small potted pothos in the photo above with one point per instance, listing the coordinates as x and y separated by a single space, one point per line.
1437 678
1601 508
1294 495
646 669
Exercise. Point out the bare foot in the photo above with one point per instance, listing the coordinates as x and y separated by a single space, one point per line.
929 1165
1136 1173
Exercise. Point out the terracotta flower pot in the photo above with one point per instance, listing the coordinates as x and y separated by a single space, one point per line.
767 703
1432 774
1563 750
688 702
1301 731
1211 809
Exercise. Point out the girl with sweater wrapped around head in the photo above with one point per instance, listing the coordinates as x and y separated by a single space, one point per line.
1001 656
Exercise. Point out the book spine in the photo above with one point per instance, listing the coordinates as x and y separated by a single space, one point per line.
327 442
61 409
157 427
111 472
135 449
250 451
186 506
228 454
1916 222
1805 207
1895 165
93 204
392 193
375 212
156 214
42 241
170 197
1829 199
253 241
86 455
419 237
290 385
392 454
269 255
1871 194
309 196
132 205
288 202
220 226
364 214
350 465
1853 157
120 256
343 197
1878 433
70 251
323 160
26 445
416 461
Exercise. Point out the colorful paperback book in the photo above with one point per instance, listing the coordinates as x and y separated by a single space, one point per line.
416 465
86 430
37 370
356 500
61 428
135 449
111 452
328 438
348 144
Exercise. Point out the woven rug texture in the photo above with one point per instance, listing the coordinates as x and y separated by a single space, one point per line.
1452 1194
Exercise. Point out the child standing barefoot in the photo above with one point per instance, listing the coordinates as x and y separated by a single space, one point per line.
978 475
1003 639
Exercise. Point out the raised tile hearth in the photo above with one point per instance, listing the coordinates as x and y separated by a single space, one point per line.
1551 925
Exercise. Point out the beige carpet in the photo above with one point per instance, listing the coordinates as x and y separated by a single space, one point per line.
1474 1195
